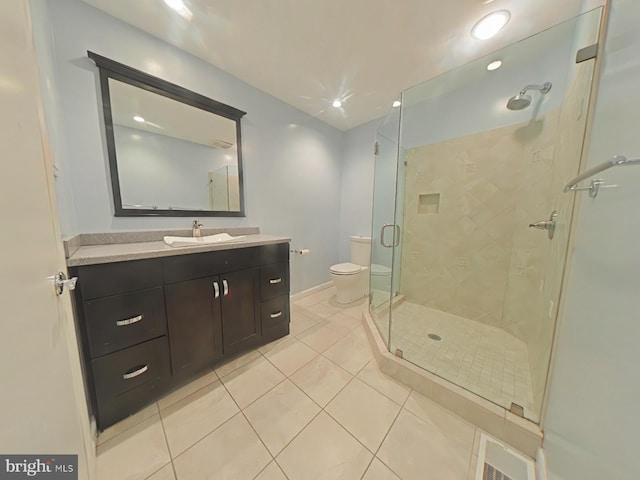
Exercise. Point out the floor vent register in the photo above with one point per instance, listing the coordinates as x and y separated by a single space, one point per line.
496 461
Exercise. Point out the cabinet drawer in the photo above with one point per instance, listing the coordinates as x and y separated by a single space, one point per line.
274 280
275 311
120 321
121 277
200 265
127 369
275 317
276 253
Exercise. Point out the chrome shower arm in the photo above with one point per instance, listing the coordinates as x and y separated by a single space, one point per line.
544 88
612 162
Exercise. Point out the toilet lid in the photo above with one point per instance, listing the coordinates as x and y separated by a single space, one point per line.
380 269
345 268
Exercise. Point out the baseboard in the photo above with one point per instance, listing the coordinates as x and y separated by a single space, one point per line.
310 291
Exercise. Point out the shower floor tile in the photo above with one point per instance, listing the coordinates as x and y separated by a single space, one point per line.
483 359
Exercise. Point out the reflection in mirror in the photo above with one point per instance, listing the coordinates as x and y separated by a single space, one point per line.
170 152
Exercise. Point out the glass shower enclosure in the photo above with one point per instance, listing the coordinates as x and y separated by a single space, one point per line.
470 216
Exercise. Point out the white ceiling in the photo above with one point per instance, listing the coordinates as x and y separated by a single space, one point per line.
309 52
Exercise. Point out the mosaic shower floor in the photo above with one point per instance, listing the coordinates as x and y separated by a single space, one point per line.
483 359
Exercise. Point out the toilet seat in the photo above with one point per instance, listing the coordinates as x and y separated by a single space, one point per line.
346 269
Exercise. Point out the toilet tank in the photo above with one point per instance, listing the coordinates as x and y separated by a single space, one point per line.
360 250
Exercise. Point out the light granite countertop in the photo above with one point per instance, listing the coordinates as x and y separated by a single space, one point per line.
120 252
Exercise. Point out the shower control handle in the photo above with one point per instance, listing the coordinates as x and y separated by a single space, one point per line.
548 225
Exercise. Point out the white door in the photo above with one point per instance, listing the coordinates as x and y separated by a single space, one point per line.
42 402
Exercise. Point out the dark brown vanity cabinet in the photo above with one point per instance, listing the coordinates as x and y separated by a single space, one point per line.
147 326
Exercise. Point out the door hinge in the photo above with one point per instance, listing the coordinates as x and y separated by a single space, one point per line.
376 148
587 53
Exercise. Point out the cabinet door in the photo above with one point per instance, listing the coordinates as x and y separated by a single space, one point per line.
195 331
241 324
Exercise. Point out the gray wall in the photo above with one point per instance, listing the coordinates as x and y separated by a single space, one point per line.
357 184
292 161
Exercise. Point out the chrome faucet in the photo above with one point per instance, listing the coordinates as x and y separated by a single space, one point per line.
195 229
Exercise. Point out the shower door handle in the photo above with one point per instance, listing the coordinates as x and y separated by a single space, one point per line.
396 235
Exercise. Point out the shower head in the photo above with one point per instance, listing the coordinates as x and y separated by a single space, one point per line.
519 102
522 100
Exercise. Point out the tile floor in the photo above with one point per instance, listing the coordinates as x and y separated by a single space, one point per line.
483 359
310 406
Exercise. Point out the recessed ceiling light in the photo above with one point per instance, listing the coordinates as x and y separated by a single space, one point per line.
490 25
337 103
138 118
180 7
496 64
397 103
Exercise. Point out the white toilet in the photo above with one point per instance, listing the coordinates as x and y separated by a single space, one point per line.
352 279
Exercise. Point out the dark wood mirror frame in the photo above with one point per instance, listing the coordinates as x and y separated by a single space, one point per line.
111 69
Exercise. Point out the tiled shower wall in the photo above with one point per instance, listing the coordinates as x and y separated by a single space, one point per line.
468 205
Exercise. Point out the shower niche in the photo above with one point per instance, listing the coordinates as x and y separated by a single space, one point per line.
471 161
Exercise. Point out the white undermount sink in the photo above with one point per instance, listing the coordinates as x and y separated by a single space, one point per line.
208 240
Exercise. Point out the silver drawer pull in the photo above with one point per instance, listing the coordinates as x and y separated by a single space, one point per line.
135 373
216 290
225 288
275 280
129 321
277 314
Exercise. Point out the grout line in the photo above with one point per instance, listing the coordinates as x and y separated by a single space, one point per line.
166 441
247 420
156 471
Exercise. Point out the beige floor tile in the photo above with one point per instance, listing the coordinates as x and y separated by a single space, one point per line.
414 447
324 450
306 302
321 379
271 345
187 390
360 335
127 423
237 362
320 337
189 420
454 427
379 471
280 415
252 380
134 454
165 473
232 451
389 387
290 356
356 310
344 321
364 412
300 322
323 310
349 354
272 472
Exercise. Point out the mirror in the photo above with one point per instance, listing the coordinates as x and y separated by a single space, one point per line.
172 152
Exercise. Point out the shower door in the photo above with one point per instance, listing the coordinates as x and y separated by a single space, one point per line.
385 230
478 288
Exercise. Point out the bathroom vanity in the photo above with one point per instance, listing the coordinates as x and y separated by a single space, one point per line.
152 317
